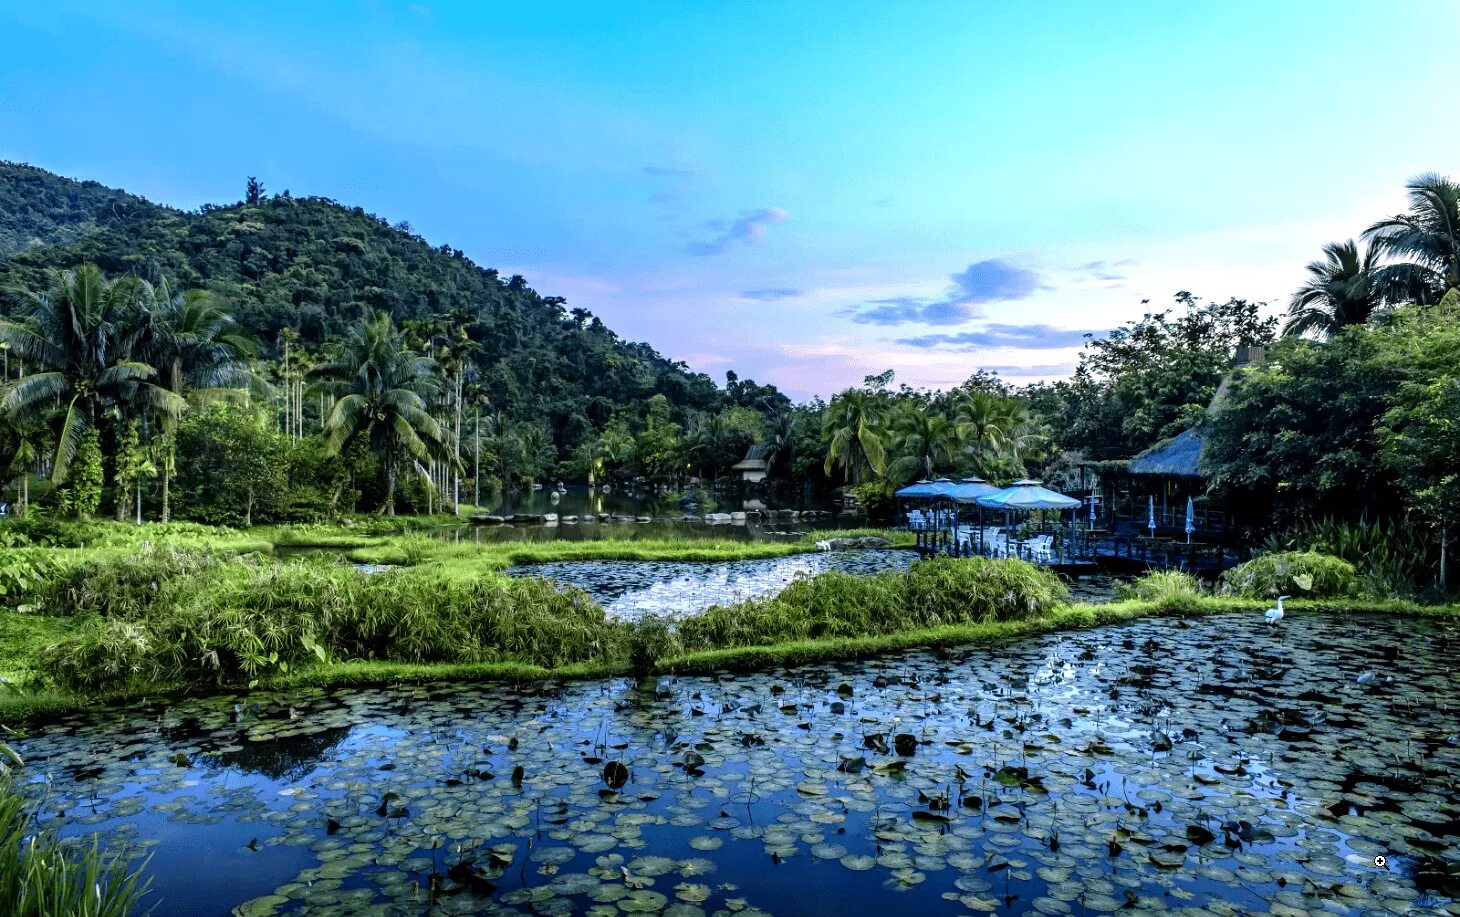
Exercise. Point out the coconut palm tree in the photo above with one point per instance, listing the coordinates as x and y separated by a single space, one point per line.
855 424
200 353
985 421
1428 235
382 390
1340 291
75 336
922 440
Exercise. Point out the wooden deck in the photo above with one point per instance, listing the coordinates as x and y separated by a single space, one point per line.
1088 552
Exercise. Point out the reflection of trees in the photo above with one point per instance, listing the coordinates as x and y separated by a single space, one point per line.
287 757
1430 874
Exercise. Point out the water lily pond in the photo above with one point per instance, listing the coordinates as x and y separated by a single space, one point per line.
631 589
1214 766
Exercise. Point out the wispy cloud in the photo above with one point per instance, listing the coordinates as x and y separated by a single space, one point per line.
1024 337
992 280
1108 272
749 228
770 294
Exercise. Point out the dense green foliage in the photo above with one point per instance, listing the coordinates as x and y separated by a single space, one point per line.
1149 380
931 593
1293 573
1364 426
168 614
1167 588
877 439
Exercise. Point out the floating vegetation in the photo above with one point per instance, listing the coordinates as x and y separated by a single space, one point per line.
1169 765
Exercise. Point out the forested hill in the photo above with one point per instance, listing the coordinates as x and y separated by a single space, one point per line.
315 266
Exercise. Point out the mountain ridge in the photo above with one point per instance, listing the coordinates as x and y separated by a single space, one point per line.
316 266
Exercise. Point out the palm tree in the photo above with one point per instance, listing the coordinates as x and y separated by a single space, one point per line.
780 440
985 421
200 353
922 440
382 389
854 421
1429 234
75 336
1340 291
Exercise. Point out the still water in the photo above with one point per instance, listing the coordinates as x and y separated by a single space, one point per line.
1213 766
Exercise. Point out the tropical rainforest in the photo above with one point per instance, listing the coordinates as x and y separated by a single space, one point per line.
289 358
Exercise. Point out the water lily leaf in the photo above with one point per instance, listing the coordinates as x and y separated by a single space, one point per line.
615 774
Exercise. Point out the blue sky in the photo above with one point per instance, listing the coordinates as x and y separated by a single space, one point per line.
804 192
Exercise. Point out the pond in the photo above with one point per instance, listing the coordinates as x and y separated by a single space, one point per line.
1213 766
632 589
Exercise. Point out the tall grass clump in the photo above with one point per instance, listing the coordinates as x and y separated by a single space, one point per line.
117 584
1306 574
929 594
240 619
43 876
1169 589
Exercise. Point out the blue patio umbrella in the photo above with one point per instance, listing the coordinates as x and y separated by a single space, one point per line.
970 489
1026 496
921 490
1190 519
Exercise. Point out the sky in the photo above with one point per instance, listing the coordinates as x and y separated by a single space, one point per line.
806 193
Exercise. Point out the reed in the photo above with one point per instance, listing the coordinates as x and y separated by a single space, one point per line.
43 876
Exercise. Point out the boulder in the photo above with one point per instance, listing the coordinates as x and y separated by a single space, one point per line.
853 544
487 519
570 520
526 519
643 518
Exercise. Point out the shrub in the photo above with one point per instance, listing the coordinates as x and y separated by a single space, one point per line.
931 593
1167 588
212 620
1394 559
650 640
119 584
1296 573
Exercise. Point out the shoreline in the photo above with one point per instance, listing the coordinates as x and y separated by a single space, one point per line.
20 709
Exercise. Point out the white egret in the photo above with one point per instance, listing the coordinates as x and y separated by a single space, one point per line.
1275 615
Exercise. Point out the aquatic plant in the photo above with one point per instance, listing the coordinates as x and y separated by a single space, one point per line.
43 876
1297 573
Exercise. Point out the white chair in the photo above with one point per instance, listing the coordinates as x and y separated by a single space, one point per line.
1041 549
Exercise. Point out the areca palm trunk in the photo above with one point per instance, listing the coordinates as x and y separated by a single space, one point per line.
390 475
